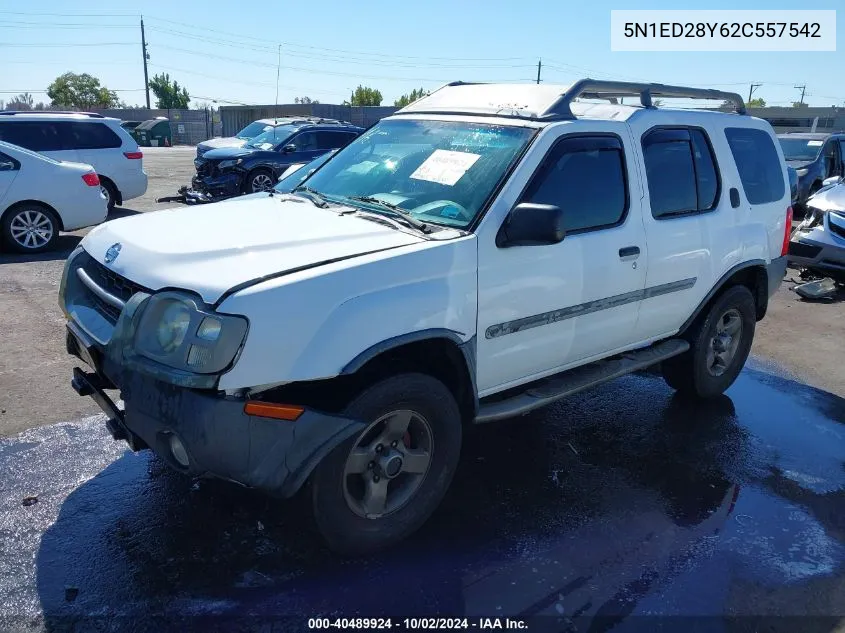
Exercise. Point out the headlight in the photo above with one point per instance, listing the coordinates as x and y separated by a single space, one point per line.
225 164
180 331
801 172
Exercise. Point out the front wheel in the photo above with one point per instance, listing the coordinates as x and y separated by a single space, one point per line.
259 180
380 486
719 346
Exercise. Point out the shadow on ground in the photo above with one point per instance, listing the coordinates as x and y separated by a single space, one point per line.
621 502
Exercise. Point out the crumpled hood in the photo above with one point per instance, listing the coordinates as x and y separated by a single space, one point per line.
225 141
829 199
223 153
211 248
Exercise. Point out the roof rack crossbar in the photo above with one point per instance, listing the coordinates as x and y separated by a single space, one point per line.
94 115
599 89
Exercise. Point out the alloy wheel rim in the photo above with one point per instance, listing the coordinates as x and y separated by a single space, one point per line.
31 229
388 464
261 182
105 192
722 347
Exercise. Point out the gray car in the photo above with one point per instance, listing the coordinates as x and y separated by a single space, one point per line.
819 241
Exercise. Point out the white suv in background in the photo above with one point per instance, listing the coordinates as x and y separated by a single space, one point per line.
487 250
82 137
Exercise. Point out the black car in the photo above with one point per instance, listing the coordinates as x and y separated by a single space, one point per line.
230 171
814 157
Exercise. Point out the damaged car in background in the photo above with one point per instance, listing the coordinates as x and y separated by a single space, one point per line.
818 243
231 171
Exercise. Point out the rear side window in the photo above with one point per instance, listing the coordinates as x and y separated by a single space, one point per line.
331 140
682 174
585 177
90 136
758 164
38 136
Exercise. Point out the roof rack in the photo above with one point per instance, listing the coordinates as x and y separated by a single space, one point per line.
93 115
600 89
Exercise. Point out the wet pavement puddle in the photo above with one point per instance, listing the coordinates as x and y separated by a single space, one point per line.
624 508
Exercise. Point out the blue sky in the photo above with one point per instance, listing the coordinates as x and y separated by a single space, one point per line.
229 50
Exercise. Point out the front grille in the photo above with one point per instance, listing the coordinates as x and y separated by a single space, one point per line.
803 250
205 167
112 283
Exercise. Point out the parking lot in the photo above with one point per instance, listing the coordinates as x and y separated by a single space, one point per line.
625 499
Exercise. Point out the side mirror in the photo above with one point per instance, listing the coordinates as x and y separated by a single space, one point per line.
833 180
7 165
530 224
289 149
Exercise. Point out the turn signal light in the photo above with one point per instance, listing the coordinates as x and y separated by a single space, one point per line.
787 232
288 412
134 155
91 179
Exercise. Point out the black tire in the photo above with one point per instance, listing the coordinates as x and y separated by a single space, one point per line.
255 175
351 534
110 191
17 216
690 373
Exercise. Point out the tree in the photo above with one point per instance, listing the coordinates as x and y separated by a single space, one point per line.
80 91
169 95
798 104
304 100
412 96
365 96
759 102
23 101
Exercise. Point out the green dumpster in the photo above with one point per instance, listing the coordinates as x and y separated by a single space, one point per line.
154 133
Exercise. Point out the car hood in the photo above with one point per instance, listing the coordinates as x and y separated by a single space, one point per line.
223 153
829 199
225 141
212 248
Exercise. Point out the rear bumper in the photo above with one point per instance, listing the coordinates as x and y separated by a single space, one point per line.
808 253
130 186
219 439
776 270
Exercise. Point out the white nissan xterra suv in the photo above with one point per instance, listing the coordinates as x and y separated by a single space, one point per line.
485 251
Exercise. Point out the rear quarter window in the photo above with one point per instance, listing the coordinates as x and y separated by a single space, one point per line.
757 162
90 136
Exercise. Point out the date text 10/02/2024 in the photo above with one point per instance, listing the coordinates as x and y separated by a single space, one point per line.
411 624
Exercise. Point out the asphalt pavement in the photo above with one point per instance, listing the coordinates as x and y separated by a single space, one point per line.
624 508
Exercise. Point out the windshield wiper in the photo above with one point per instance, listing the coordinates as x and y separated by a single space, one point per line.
395 210
314 196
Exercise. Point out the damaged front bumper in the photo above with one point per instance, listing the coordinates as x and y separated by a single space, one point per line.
204 432
223 185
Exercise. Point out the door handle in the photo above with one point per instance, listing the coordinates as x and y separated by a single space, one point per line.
629 253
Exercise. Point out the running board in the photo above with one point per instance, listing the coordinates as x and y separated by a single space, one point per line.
548 390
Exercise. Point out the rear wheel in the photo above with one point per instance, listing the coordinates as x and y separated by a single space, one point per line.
719 346
109 191
29 228
259 180
380 486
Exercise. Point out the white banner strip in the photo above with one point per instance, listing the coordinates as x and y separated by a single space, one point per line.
723 30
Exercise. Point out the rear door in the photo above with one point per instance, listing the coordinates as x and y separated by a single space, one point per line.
45 137
688 222
330 139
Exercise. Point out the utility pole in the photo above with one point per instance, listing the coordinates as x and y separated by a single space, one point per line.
803 89
752 89
146 57
278 72
539 68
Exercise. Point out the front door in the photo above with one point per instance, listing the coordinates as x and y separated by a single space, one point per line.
543 308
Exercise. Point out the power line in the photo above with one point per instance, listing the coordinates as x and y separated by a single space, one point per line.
54 45
59 25
71 15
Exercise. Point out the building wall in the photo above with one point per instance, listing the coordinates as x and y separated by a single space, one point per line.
802 119
234 118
